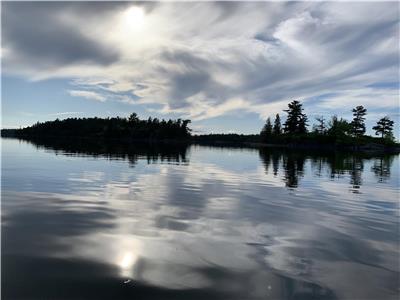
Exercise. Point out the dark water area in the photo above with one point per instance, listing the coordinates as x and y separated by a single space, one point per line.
84 220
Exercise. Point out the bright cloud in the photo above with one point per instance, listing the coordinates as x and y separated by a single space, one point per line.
203 60
88 95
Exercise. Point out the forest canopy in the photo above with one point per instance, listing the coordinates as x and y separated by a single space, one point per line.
131 127
293 131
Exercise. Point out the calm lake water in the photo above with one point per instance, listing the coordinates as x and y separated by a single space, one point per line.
83 221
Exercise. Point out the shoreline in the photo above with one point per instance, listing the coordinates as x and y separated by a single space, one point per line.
333 147
368 148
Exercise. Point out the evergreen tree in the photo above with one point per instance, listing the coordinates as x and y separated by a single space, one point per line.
339 127
277 129
358 123
320 127
384 127
303 124
296 121
184 127
133 118
266 132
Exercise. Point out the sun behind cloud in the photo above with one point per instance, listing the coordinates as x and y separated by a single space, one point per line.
134 18
210 59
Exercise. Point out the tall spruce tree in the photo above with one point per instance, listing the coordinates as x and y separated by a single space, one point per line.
358 123
266 132
296 121
277 129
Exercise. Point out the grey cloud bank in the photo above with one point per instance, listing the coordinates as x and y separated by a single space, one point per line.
204 60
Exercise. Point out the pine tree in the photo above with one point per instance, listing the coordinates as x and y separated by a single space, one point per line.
384 127
266 132
133 118
296 121
358 123
320 127
277 129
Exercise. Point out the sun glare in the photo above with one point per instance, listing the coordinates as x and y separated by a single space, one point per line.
126 263
134 18
127 260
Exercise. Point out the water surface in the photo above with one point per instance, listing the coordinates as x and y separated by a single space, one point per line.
82 221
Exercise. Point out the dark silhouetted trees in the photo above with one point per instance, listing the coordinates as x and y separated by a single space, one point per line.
358 123
125 128
266 132
338 128
228 139
335 132
384 127
296 121
277 129
320 127
134 119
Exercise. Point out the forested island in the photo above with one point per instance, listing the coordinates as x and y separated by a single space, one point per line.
336 132
131 128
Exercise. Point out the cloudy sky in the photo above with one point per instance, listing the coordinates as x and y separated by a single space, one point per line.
225 65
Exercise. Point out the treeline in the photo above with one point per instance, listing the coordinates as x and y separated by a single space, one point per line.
126 128
228 139
333 131
293 132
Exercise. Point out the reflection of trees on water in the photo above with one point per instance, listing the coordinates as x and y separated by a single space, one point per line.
116 150
381 168
275 163
268 158
356 167
286 163
336 166
293 166
317 165
332 165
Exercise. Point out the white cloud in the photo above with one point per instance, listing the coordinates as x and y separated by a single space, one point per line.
87 94
66 113
203 60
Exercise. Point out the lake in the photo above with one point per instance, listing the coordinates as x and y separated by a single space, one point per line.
83 221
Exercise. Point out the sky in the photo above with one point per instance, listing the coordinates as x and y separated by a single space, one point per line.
227 66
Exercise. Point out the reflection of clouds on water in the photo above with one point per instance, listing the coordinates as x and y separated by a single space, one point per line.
87 176
205 226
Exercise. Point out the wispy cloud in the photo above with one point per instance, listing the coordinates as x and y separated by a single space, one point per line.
204 60
66 113
87 94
